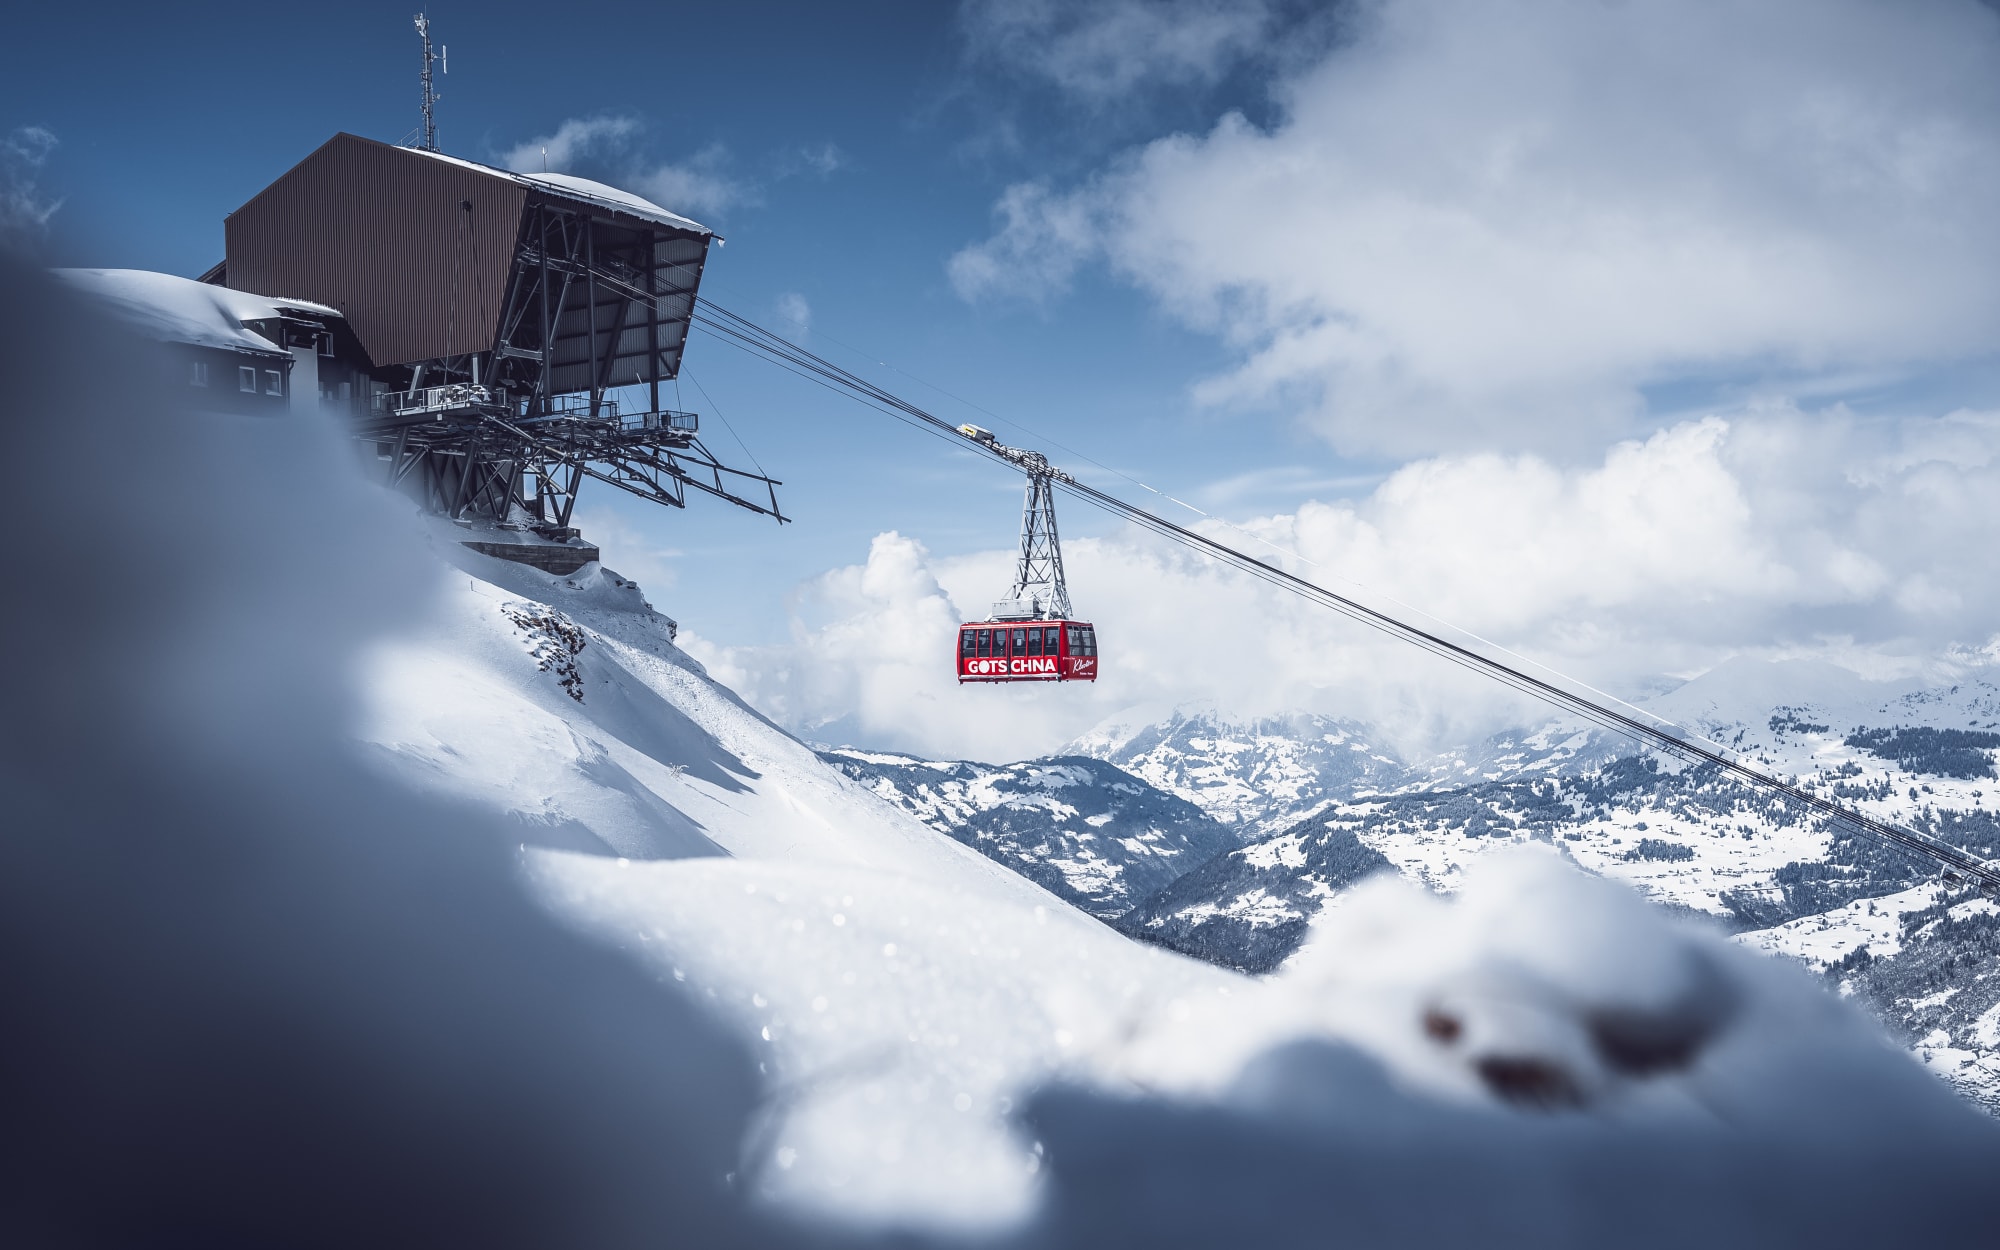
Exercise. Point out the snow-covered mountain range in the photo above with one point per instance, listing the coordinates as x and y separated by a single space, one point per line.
1257 776
1317 803
1086 831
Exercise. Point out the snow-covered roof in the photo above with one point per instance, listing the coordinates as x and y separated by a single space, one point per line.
623 200
582 189
181 310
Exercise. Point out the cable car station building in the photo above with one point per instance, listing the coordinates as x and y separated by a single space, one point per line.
501 336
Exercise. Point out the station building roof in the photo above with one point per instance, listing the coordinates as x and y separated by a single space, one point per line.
171 309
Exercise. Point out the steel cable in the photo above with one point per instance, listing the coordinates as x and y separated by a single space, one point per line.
759 341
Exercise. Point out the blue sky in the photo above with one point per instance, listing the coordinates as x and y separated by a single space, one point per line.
1631 336
864 146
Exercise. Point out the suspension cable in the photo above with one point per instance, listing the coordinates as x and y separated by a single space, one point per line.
1666 738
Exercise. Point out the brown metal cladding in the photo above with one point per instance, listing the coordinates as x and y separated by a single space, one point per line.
380 233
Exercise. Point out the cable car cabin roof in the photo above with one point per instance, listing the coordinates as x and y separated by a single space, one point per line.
422 252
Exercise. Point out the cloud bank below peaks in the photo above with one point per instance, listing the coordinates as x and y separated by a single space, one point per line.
1772 534
1494 223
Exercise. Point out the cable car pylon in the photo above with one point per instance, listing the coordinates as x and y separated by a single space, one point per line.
1030 636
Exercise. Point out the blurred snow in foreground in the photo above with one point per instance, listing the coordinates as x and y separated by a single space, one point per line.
1542 1054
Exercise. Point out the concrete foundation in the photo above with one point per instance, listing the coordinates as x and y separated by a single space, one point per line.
558 558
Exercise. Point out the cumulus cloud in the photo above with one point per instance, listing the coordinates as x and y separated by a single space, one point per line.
1105 49
24 208
609 149
869 660
1771 533
1044 237
1494 224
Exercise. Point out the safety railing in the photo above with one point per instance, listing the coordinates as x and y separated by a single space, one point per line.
433 400
665 419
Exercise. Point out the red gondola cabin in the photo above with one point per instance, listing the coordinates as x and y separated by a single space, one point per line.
1027 651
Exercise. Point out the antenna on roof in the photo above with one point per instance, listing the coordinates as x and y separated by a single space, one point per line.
430 134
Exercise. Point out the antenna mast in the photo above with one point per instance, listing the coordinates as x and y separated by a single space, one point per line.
430 133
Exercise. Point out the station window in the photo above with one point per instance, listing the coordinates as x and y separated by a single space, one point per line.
274 382
197 373
326 345
246 379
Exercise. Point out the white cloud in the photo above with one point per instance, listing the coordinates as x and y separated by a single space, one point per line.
1104 49
1044 237
1492 222
822 160
794 314
870 659
24 209
576 140
1771 533
608 148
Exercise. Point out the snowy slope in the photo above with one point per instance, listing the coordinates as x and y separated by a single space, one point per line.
622 745
1087 831
898 988
903 1021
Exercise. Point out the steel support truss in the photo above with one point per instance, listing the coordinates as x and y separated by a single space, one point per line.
508 436
1039 589
488 463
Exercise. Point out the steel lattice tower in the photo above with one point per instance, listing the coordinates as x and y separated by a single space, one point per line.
1038 576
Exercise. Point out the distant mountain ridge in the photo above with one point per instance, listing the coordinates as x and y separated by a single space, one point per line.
1259 775
1087 831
